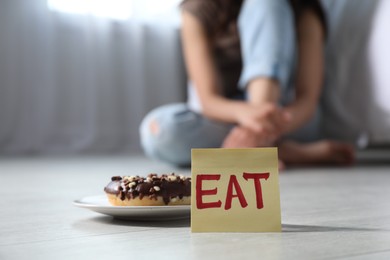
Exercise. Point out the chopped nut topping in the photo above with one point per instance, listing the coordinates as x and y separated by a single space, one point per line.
172 178
170 187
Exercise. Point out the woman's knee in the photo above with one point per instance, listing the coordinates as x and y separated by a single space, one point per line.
170 132
161 134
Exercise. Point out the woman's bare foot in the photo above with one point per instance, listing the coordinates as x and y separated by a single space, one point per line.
320 152
240 137
281 165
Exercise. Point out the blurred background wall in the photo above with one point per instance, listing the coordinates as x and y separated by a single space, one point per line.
81 82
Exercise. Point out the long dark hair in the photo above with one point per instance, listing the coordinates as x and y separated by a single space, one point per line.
218 16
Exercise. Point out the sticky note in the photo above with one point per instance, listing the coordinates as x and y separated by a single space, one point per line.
235 190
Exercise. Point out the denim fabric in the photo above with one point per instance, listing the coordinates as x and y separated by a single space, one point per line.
268 48
179 130
267 36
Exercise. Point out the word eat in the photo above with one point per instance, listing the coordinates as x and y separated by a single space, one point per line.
233 183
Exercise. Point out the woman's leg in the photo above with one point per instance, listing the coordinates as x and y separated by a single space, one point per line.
267 36
306 146
168 133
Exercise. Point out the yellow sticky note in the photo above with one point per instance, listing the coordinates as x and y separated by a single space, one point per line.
235 190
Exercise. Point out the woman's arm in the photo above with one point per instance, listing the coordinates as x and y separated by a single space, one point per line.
309 78
201 70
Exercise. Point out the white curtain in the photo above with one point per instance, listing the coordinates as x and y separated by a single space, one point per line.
78 83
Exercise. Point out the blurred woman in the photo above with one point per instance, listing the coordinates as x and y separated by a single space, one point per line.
255 72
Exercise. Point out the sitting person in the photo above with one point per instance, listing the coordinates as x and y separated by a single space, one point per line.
255 77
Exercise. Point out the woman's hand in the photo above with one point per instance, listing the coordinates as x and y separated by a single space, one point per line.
266 120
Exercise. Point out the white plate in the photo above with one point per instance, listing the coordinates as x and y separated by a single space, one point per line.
100 204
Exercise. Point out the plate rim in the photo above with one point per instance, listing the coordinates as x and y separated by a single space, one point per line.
79 203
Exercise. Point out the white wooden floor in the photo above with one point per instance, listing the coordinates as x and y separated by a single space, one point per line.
327 213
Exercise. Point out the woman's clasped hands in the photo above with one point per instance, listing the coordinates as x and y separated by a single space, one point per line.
258 125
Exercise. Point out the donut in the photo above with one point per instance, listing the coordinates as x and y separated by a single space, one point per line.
152 190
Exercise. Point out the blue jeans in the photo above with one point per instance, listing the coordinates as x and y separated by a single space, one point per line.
267 36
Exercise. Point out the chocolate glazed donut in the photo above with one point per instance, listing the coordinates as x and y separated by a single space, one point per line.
153 190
